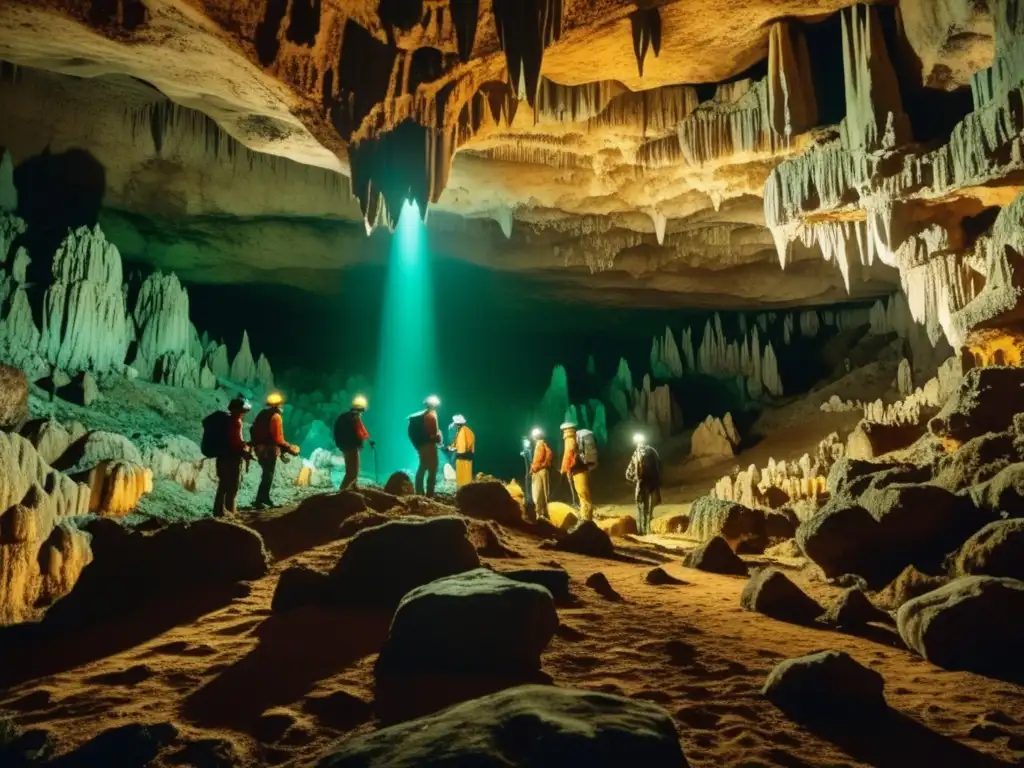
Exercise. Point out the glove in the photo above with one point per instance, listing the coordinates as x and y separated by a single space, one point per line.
293 450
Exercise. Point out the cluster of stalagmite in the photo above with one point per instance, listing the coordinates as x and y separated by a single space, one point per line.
715 438
780 483
87 325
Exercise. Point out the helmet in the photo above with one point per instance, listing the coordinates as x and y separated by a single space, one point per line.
459 420
239 405
537 433
568 426
275 399
359 403
431 401
639 438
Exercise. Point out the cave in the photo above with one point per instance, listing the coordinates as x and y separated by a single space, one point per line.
492 382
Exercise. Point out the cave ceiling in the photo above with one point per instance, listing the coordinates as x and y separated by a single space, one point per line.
609 148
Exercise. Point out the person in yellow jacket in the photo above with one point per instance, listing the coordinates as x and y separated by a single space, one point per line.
572 464
463 445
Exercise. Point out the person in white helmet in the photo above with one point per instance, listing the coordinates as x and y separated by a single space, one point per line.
644 471
574 467
425 436
464 446
350 433
540 471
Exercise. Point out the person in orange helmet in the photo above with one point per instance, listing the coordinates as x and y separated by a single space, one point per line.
540 467
267 437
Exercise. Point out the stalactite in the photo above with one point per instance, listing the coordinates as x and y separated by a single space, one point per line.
525 29
645 24
526 152
660 221
659 153
659 110
465 14
791 101
734 122
364 69
574 103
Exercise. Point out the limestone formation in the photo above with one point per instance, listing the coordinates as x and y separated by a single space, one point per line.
85 325
742 528
164 332
8 193
217 361
715 438
243 367
13 398
657 408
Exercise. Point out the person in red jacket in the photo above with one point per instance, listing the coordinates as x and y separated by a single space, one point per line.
229 465
268 444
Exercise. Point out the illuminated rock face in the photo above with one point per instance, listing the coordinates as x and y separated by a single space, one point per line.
711 147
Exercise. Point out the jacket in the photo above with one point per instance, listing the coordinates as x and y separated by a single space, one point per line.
465 443
430 427
274 441
359 427
570 461
542 457
235 440
644 468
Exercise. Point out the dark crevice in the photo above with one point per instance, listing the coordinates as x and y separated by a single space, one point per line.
393 166
464 16
646 29
267 44
825 50
399 14
978 225
427 66
305 22
364 73
525 29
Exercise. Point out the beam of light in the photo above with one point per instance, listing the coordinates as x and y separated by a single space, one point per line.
407 366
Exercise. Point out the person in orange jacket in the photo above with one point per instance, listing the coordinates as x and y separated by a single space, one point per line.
268 444
350 433
425 437
229 462
540 480
573 466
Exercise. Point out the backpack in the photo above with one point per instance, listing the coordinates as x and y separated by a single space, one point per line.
215 435
418 429
259 434
345 436
586 448
650 467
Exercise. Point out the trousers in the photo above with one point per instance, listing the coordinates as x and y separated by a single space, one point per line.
268 465
463 472
540 490
581 482
427 470
351 468
644 509
229 480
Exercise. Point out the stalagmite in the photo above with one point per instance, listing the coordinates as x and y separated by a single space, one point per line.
161 317
243 367
715 438
264 375
555 401
646 28
809 324
905 378
770 372
503 216
686 344
217 361
85 326
665 360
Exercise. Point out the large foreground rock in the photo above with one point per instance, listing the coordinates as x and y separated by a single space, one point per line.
587 539
529 727
399 484
131 568
770 592
972 624
841 538
741 527
1002 495
852 610
488 501
825 684
909 584
380 565
473 623
13 398
986 402
995 550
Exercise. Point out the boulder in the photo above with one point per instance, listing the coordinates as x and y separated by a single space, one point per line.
986 402
554 580
869 440
1002 495
618 526
741 527
528 726
851 477
562 515
177 558
586 539
378 500
13 398
978 461
972 624
770 592
995 550
488 501
841 538
670 524
781 524
298 586
909 584
116 486
825 685
659 577
381 564
399 484
123 745
600 584
362 520
715 556
487 540
48 437
473 623
852 609
95 447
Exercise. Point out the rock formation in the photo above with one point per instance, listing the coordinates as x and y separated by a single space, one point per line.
715 438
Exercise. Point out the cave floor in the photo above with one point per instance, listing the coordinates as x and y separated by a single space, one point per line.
280 688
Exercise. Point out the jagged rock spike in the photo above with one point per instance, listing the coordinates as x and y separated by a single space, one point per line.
645 24
465 14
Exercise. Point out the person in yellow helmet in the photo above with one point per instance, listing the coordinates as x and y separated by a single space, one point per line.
463 445
267 438
350 433
574 466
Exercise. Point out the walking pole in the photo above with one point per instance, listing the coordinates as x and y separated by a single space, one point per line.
572 492
376 475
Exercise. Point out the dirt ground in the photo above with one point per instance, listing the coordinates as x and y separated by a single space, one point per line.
279 689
